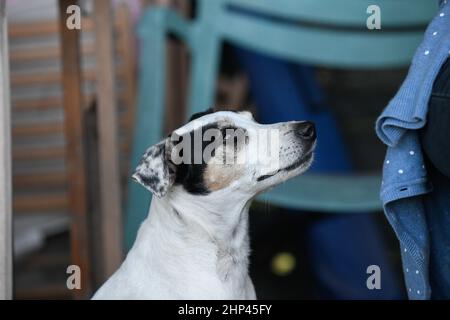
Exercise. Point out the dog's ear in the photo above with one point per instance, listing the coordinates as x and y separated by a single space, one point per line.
155 171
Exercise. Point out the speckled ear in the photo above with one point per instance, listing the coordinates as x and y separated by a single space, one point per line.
154 172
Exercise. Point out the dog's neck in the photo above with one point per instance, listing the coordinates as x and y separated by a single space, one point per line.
203 226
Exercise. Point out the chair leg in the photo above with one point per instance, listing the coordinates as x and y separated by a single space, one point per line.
205 61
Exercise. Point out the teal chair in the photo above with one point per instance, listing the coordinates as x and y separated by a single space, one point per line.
319 32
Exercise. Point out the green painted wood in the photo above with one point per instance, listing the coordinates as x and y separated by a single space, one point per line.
394 13
149 114
333 35
205 60
166 21
328 193
327 47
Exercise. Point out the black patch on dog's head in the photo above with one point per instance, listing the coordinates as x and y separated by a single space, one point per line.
201 114
157 172
190 176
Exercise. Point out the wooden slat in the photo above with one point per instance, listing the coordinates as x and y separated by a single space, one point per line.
47 260
33 29
37 129
38 104
33 154
50 53
42 180
48 78
44 28
49 128
35 202
51 153
6 259
56 291
76 167
20 55
48 179
44 78
109 170
125 40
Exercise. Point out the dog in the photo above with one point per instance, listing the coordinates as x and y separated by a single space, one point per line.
194 244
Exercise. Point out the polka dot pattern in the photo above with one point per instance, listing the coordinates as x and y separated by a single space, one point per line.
404 171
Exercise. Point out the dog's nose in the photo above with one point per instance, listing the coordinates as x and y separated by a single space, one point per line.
306 130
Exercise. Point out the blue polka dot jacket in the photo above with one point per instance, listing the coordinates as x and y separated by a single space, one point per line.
405 178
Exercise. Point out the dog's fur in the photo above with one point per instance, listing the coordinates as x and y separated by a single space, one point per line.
194 243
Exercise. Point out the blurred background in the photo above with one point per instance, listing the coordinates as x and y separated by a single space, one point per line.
66 102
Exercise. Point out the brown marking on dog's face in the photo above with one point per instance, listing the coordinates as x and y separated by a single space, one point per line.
218 176
224 167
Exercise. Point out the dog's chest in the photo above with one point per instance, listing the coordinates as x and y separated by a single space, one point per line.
232 262
233 275
177 260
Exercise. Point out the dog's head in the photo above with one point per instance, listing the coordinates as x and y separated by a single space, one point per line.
227 151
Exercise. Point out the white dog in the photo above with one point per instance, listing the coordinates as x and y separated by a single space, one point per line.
194 243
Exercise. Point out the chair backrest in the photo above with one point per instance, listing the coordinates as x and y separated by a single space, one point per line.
38 131
325 32
332 12
39 141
